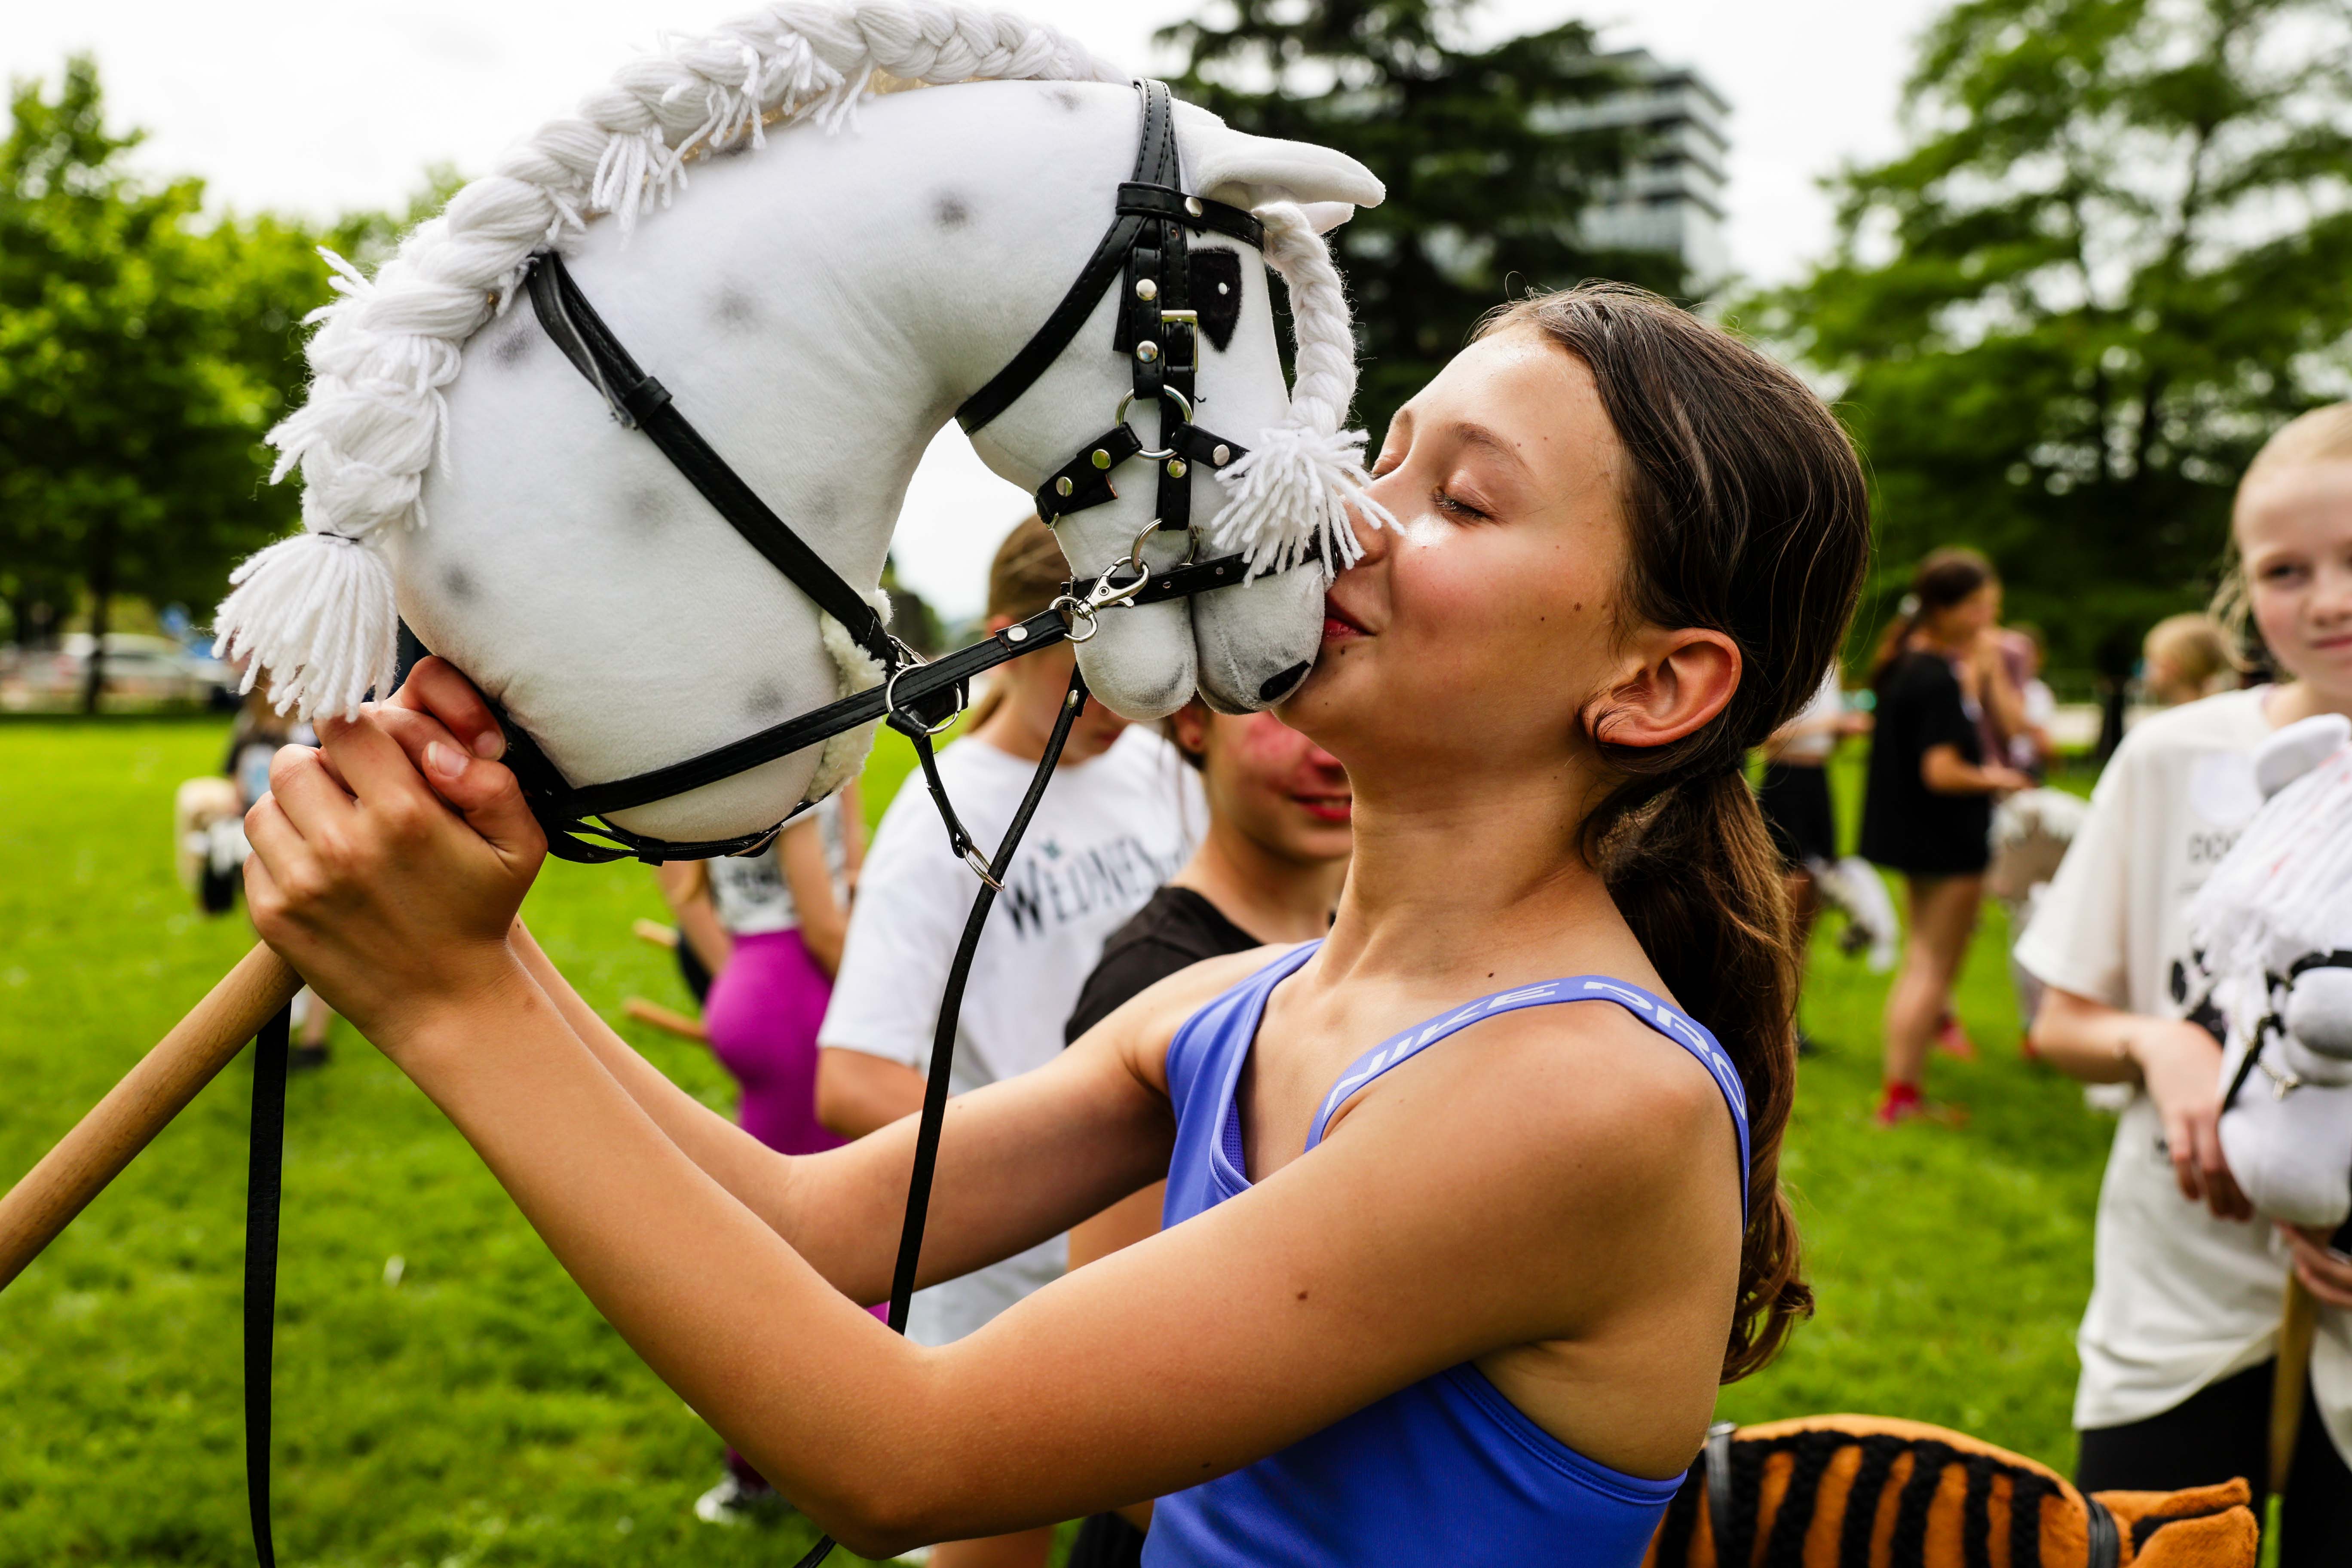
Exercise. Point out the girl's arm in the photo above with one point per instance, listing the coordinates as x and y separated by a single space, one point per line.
686 888
1943 769
1583 1182
852 834
2175 1060
823 920
1996 690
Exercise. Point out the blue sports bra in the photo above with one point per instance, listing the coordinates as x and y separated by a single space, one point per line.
1446 1470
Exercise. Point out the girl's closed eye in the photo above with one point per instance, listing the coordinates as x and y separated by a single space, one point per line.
1455 504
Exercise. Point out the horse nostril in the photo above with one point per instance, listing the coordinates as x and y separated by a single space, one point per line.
1280 686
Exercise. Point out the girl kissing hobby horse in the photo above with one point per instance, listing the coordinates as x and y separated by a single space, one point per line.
623 432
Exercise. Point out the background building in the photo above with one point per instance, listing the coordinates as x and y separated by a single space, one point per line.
1671 197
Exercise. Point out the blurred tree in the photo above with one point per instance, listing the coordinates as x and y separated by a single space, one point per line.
142 354
2117 256
1487 165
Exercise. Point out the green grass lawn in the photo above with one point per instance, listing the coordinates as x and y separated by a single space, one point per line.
468 1408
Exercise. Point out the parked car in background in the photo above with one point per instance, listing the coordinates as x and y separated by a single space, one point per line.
137 668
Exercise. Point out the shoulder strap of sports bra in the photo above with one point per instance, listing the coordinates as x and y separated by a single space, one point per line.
1685 1032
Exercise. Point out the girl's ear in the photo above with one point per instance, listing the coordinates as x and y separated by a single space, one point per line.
1674 683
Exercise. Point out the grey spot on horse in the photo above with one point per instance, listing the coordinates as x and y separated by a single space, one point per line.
949 210
515 346
765 700
1067 97
457 582
1280 686
734 307
648 508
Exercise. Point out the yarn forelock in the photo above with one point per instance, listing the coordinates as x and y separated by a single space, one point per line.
1297 493
316 612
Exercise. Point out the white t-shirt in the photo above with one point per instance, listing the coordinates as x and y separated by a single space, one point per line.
750 892
1813 747
2179 1299
1107 835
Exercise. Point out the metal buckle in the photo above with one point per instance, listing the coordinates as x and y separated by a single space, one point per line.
1191 322
1128 400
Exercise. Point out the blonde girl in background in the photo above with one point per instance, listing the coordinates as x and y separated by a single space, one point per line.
2177 1340
2185 657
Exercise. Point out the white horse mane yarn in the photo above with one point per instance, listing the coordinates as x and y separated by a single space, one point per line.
317 610
2286 886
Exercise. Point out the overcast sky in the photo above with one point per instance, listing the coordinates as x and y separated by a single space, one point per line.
314 106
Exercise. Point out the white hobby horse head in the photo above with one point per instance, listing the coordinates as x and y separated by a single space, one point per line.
831 288
2271 932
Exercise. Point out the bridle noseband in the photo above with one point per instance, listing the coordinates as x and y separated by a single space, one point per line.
1145 252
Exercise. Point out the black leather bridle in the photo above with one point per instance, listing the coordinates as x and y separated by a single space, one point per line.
1146 251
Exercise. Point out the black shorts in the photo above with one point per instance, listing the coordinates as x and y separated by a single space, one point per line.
1107 1540
2223 1430
1796 802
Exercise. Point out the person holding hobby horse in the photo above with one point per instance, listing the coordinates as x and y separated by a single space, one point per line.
1471 1203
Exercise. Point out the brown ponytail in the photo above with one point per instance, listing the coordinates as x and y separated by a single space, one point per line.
1747 514
1024 577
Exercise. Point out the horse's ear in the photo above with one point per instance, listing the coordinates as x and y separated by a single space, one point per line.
1245 171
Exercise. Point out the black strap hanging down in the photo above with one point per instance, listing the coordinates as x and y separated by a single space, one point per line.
641 402
264 1171
935 1085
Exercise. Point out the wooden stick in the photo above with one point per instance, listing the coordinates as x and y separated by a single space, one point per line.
107 1139
2298 1319
661 1017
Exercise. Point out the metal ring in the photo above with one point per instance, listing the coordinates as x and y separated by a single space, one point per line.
1135 552
979 864
1182 402
891 700
1076 610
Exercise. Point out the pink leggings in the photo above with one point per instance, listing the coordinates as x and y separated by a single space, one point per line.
762 1014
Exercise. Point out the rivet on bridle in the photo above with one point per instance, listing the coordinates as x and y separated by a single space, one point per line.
1221 454
1147 350
1102 458
1193 206
1145 288
1016 634
1062 486
1175 468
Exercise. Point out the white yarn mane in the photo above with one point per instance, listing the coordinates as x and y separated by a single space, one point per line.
2283 889
317 610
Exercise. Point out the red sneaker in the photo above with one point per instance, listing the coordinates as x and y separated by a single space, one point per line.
1953 1040
1903 1103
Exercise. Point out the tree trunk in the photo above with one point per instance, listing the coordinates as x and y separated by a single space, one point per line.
2116 657
101 591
